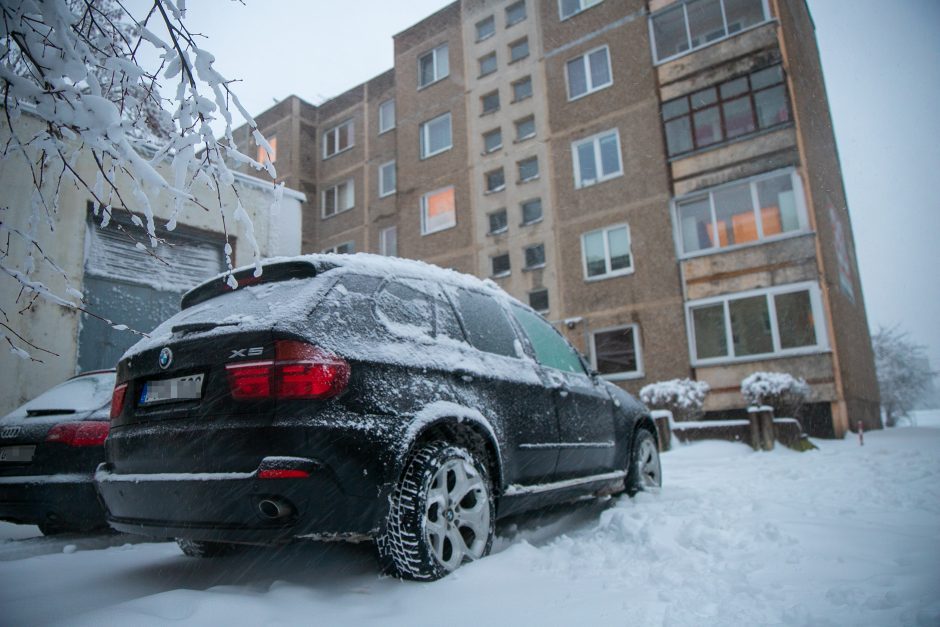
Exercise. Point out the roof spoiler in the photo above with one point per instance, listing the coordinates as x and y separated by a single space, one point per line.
281 271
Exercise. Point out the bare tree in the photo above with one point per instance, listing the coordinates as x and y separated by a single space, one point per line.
78 67
903 372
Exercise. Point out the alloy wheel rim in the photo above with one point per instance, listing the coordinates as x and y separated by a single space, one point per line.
457 514
649 464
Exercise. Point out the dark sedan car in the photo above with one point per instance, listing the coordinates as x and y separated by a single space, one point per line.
49 449
361 396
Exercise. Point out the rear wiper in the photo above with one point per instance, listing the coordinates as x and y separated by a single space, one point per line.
193 327
48 412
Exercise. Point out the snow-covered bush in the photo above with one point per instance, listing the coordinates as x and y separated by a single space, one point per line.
683 397
782 391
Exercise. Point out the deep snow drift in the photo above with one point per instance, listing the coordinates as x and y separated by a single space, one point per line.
845 535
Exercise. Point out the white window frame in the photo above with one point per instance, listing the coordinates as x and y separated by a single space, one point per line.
425 136
350 197
685 12
798 195
424 211
383 241
336 130
585 5
387 192
587 73
637 345
334 249
382 108
815 300
595 139
435 57
609 274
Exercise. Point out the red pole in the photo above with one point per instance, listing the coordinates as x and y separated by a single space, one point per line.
861 433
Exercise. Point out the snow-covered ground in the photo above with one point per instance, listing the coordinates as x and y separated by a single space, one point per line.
845 535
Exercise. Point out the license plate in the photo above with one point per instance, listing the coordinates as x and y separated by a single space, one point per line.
17 453
178 389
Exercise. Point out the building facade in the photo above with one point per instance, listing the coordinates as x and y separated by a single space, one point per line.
659 179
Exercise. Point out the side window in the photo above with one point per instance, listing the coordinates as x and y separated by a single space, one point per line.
447 324
486 324
404 310
349 300
550 348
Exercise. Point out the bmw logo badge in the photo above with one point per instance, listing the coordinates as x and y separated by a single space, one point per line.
165 358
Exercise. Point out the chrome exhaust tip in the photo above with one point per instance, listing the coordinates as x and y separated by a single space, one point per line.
273 509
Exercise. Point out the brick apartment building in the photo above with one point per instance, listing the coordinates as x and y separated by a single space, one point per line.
658 178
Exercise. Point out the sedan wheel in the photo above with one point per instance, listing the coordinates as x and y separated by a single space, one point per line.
441 514
645 470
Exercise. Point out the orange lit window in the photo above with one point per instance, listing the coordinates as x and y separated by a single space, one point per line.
438 211
264 155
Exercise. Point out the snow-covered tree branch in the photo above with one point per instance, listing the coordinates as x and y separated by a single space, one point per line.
79 67
903 372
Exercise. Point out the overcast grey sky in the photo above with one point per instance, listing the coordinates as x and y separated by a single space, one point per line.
882 67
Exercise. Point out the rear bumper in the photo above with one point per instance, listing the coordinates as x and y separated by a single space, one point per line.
227 507
62 499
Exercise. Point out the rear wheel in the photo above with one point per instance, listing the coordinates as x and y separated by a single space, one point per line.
199 548
441 514
645 471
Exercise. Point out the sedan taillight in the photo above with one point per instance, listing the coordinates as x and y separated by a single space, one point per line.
88 433
117 400
299 371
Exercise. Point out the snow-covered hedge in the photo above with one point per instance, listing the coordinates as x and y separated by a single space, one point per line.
782 391
683 397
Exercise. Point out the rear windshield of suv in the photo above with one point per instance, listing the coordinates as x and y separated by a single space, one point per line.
75 395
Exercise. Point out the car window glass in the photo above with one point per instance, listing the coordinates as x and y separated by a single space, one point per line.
486 324
550 348
404 310
346 312
80 394
447 324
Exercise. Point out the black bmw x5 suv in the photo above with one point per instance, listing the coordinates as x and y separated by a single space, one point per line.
360 396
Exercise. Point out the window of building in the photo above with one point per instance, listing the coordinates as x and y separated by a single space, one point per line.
522 89
615 353
742 212
588 73
525 128
487 64
498 222
435 136
264 154
492 140
495 180
346 248
338 139
538 300
338 198
438 211
486 28
519 50
606 252
567 8
489 102
777 321
725 111
528 169
596 158
387 179
515 13
388 242
531 211
687 26
386 116
433 66
500 265
534 256
550 348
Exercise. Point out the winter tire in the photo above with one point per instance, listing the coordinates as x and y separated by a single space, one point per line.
645 471
198 548
441 514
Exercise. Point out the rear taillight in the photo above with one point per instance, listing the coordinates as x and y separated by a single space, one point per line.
299 371
117 400
89 433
